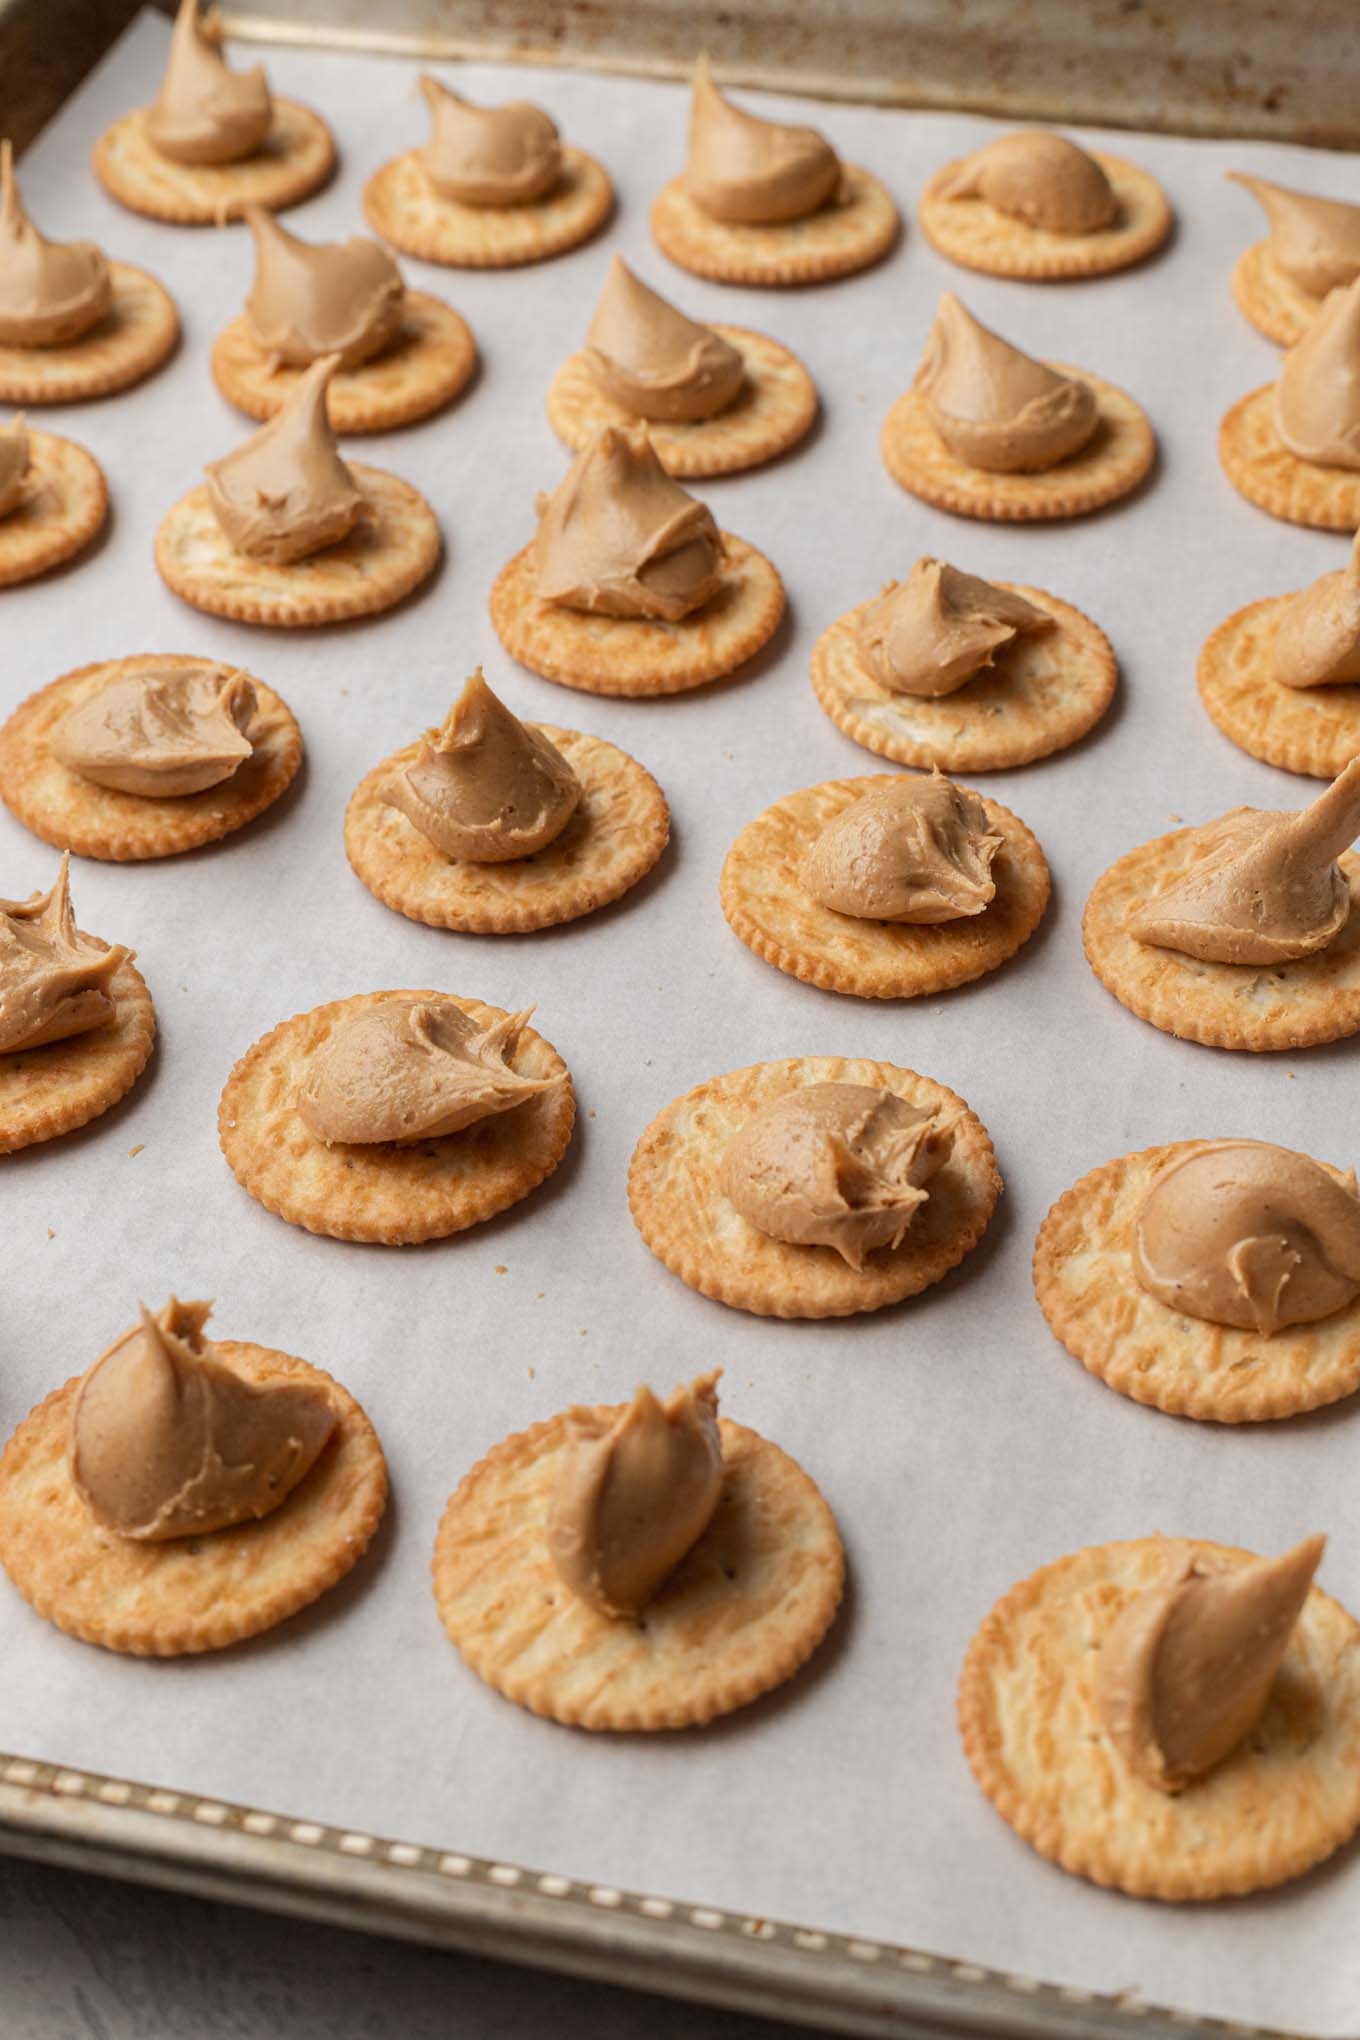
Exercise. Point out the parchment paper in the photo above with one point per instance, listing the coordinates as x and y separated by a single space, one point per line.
958 1443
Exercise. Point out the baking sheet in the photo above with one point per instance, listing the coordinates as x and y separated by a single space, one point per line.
958 1443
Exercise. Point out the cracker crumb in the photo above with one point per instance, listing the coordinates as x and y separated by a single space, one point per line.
50 1234
591 1113
1175 818
136 1150
500 1268
530 1373
541 1294
583 1331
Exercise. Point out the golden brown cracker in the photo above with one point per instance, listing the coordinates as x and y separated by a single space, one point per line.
185 1594
636 655
295 159
616 835
1272 301
1285 1798
976 235
135 336
391 1194
404 207
1260 467
851 232
680 1208
1303 729
99 821
744 1609
427 365
65 502
54 1089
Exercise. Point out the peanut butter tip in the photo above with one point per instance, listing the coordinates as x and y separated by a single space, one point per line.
1040 179
285 493
51 292
54 981
489 155
1315 241
994 407
753 172
651 360
336 297
14 465
916 850
935 631
1317 641
619 537
205 112
1317 396
162 736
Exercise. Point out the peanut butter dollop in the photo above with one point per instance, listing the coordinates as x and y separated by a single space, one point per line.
167 1441
835 1165
620 537
652 360
160 735
485 786
1317 643
993 406
915 850
635 1495
285 493
753 172
931 634
1185 1673
1250 1235
1317 397
1315 241
489 155
1265 886
413 1069
1039 178
14 463
51 292
53 979
335 297
205 112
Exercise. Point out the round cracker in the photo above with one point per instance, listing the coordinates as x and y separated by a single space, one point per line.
1304 729
187 1594
65 502
1111 464
135 336
743 1610
295 159
635 655
426 366
1087 1289
679 1206
976 235
850 233
1224 1005
619 829
763 897
392 1195
54 1089
1272 301
99 821
373 569
404 207
1260 467
1287 1796
1042 692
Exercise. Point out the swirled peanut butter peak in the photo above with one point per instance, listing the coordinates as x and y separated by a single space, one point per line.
205 112
1265 886
166 1441
649 358
1317 640
331 297
53 980
1040 179
620 537
51 292
932 633
1250 1235
1185 1674
14 465
160 735
489 155
1315 241
835 1165
635 1494
753 172
993 406
915 850
1317 397
285 493
414 1069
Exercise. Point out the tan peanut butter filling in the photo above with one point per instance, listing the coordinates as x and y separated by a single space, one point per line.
1315 241
929 635
1185 1674
993 406
1251 1235
14 465
1265 887
752 172
1317 640
205 112
161 735
1041 179
635 1495
1317 397
413 1069
485 787
835 1165
915 850
166 1441
618 536
489 155
285 493
51 292
310 299
653 361
53 980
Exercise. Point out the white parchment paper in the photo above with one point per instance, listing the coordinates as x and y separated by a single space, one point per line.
958 1443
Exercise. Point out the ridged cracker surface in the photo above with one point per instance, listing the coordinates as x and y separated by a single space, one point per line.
1303 729
850 233
64 1084
1260 467
135 335
65 501
404 207
295 159
426 366
1272 301
976 235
